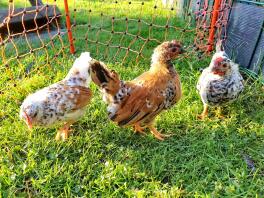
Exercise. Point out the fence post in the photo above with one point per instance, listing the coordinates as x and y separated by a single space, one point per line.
68 24
212 26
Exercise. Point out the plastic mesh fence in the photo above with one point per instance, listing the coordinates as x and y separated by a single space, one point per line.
34 38
118 29
203 17
31 38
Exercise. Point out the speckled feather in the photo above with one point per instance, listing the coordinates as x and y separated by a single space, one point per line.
63 101
219 89
139 101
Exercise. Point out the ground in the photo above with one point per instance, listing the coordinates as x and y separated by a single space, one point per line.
211 158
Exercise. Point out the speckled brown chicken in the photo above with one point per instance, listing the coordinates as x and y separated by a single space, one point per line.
61 103
136 103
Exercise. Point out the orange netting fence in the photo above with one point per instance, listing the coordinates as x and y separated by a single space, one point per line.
115 33
33 38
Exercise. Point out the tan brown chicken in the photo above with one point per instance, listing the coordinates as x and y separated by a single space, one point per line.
136 103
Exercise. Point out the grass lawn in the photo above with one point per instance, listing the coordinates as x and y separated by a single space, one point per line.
208 158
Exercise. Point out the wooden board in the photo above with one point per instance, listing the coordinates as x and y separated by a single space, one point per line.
31 17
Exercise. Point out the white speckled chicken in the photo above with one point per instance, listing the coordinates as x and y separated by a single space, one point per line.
136 103
61 103
219 83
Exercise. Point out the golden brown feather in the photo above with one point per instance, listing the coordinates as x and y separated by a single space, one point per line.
83 98
137 102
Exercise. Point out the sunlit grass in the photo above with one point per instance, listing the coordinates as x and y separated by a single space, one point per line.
202 159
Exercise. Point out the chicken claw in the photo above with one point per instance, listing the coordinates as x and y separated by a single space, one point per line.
204 114
219 113
139 129
64 132
157 134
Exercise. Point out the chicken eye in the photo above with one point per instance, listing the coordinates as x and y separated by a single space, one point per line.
174 49
103 85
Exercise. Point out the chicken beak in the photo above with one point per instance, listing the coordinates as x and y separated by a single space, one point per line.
28 121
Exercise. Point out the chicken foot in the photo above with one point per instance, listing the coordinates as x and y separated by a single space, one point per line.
204 114
157 134
139 129
64 132
219 113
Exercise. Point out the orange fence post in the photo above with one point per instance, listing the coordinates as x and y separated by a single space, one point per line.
68 24
212 27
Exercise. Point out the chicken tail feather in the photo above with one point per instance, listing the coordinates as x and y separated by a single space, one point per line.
105 78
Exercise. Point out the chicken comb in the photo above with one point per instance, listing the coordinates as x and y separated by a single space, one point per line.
219 60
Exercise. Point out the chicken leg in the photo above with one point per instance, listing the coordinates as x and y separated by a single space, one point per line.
204 113
63 133
139 129
219 113
157 134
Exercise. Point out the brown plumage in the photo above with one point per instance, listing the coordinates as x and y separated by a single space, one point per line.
137 102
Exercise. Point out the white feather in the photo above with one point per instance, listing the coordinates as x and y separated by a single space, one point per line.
208 76
81 64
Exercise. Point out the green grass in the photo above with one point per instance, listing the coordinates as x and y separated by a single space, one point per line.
202 159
